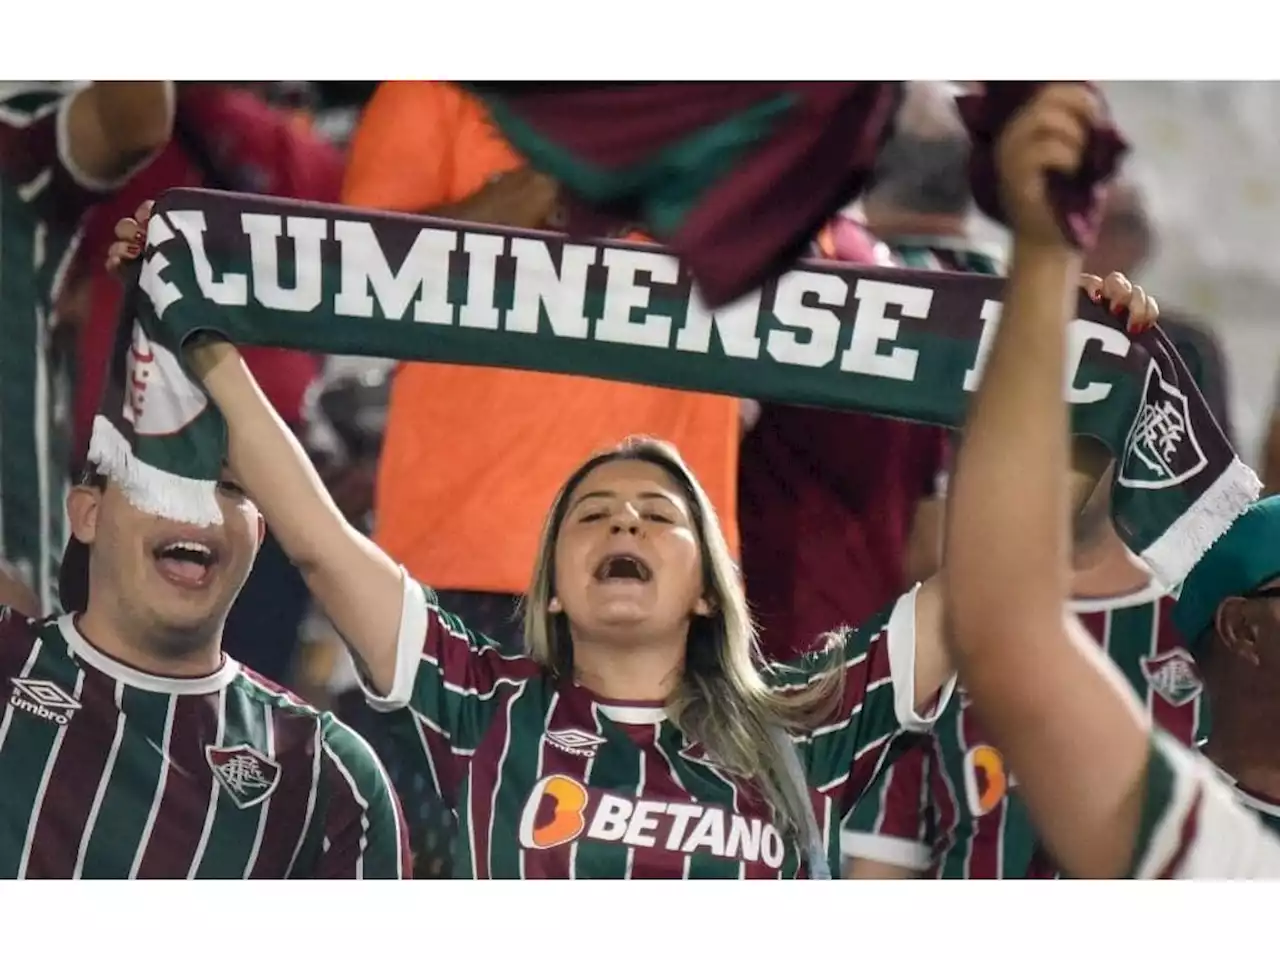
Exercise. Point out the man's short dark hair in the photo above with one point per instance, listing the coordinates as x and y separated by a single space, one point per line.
923 175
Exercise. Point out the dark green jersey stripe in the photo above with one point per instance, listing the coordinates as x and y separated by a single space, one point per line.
133 790
237 820
28 737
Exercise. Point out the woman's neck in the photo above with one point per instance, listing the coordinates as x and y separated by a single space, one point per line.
644 672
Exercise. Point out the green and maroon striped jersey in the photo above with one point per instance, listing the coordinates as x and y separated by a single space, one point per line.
1193 825
110 773
550 781
42 201
950 254
971 825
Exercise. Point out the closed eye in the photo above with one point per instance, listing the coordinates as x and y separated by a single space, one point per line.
588 517
231 489
658 518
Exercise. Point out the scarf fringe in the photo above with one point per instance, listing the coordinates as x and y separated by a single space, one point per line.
1178 549
149 488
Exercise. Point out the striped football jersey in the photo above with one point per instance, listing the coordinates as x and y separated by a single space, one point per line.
971 824
111 773
549 780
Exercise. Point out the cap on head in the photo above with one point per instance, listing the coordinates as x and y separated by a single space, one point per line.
1243 559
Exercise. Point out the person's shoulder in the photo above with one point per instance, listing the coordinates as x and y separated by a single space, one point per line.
15 625
254 686
353 757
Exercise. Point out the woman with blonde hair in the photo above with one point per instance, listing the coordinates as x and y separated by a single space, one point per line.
639 735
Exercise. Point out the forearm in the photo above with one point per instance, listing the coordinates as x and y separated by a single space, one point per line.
114 124
1007 521
1047 696
356 584
138 114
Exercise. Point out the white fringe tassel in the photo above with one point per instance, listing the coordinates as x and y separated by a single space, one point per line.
149 488
1180 548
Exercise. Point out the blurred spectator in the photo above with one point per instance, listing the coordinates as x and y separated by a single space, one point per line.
226 137
473 456
62 150
838 510
1126 243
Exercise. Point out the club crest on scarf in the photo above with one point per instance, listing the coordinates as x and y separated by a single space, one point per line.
159 400
1163 450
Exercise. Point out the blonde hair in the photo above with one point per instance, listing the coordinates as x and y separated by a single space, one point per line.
723 700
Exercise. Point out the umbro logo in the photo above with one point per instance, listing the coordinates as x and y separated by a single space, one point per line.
43 699
577 742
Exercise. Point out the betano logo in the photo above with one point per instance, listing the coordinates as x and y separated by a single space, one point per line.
688 828
986 781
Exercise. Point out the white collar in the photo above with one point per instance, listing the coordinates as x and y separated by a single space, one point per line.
86 651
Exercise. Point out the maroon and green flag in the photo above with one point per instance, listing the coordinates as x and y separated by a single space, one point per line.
895 343
737 177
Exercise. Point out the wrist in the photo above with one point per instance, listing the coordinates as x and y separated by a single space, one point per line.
1045 257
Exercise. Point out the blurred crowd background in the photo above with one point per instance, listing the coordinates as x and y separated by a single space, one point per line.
827 532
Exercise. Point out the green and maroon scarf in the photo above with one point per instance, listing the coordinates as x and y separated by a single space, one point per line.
896 343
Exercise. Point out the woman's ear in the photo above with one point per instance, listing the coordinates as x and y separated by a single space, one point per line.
705 607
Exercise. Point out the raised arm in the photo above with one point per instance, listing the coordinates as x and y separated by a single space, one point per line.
1057 710
113 125
362 591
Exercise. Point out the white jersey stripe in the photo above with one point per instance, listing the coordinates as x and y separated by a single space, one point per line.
360 799
165 764
501 766
212 808
103 781
675 776
586 778
316 753
264 808
49 763
537 777
9 708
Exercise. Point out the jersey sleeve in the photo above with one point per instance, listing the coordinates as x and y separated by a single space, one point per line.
365 837
36 155
1192 828
891 821
445 688
877 700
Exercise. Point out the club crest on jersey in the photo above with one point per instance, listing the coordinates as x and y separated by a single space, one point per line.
43 699
579 743
246 775
1162 449
1173 675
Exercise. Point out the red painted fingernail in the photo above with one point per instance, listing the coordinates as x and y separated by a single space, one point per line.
1119 309
140 236
132 249
1095 296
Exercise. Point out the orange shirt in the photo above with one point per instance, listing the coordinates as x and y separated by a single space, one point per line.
474 456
